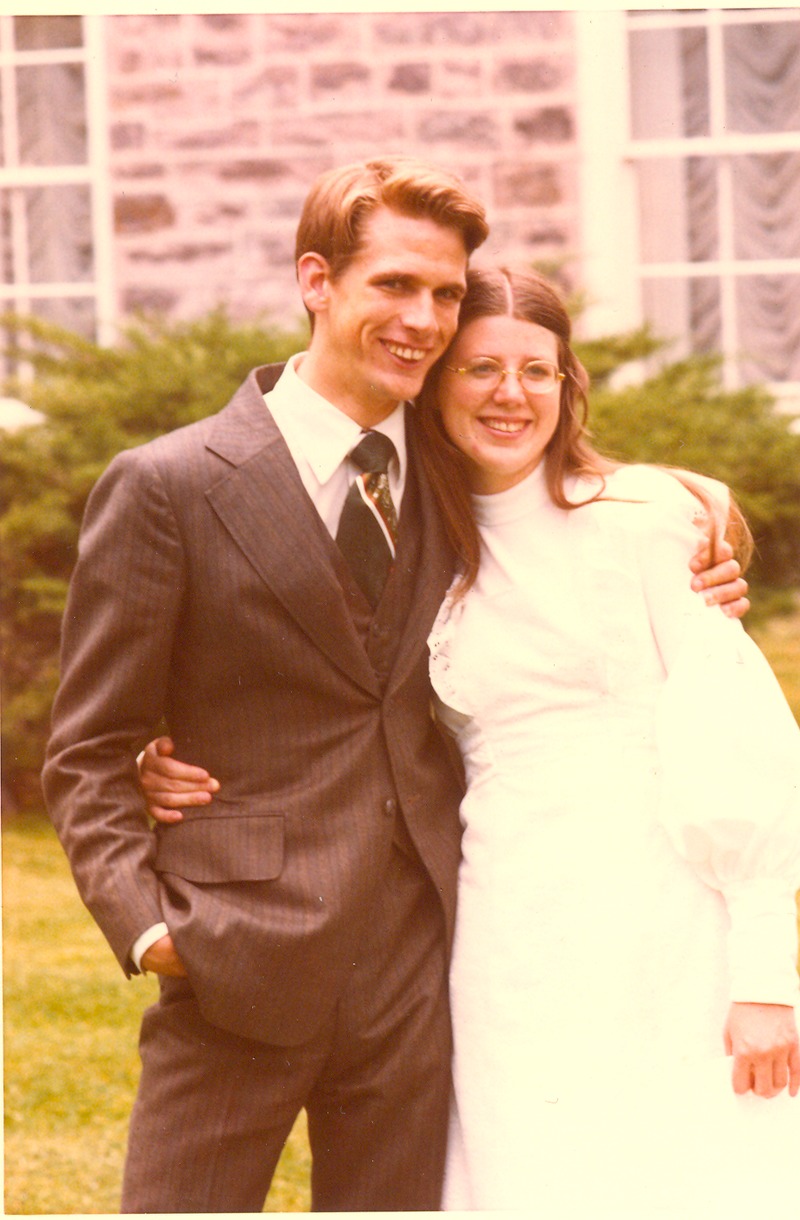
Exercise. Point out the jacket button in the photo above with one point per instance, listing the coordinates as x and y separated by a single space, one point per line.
390 807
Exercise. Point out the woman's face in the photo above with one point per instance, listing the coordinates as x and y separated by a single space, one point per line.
503 429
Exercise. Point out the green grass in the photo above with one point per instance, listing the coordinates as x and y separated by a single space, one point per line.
71 1023
779 639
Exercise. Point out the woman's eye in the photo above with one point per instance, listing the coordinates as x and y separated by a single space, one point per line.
536 372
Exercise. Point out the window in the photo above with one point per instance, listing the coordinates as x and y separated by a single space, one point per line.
709 180
54 227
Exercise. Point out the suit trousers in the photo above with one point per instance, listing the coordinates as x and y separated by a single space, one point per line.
214 1110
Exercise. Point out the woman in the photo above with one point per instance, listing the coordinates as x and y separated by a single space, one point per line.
620 917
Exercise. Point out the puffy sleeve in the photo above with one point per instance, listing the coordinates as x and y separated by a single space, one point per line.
729 752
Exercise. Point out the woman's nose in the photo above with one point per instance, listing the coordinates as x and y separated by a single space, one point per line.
510 388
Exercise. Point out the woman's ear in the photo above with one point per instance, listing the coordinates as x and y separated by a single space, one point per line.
314 276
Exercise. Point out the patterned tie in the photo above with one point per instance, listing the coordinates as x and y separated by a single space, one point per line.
368 525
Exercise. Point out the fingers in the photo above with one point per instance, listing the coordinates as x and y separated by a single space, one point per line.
794 1070
766 1077
167 817
162 958
170 798
723 585
766 1054
736 609
731 597
721 573
157 767
157 782
702 556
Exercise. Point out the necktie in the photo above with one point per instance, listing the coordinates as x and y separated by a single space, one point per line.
368 525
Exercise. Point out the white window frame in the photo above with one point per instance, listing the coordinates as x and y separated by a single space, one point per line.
14 176
613 272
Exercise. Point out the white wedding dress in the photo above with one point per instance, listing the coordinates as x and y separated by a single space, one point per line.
630 859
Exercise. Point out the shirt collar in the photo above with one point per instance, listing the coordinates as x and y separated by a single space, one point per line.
313 427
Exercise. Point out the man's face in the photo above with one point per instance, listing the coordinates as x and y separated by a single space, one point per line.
388 317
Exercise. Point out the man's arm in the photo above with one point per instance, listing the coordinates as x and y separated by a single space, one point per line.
723 584
117 641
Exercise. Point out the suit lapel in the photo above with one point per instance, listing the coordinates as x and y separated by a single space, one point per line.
269 515
435 565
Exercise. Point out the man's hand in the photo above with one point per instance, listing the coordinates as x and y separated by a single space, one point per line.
161 958
170 785
722 585
763 1041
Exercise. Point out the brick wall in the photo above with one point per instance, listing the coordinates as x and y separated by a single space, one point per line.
218 125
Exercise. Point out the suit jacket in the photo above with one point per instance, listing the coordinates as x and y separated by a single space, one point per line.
208 592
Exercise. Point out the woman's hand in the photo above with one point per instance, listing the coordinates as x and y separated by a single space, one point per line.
763 1041
723 584
170 785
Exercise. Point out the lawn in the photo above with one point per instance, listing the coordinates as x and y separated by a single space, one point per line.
779 638
71 1021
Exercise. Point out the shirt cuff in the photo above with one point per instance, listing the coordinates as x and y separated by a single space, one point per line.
143 943
762 946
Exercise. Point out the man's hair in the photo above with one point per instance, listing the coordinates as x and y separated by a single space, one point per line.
339 202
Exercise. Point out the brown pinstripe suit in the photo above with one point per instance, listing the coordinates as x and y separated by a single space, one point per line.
208 591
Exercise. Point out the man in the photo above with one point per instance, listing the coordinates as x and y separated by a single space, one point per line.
301 932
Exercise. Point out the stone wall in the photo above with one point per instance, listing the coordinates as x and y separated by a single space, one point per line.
219 123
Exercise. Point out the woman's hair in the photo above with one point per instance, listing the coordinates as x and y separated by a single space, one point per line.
529 297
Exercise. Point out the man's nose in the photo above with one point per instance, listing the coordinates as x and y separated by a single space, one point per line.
420 312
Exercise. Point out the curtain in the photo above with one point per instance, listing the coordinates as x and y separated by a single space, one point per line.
686 203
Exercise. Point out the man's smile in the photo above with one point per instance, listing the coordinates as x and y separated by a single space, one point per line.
412 354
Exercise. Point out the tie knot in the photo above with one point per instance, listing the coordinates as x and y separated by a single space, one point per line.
373 453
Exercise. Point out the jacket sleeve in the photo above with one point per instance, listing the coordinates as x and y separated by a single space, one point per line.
117 638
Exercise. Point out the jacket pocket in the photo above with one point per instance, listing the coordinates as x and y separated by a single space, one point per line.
221 848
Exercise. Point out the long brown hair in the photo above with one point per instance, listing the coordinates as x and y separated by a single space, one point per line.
529 297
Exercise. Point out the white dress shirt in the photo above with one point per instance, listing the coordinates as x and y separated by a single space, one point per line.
319 437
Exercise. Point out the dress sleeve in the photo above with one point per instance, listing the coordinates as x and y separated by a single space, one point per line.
729 752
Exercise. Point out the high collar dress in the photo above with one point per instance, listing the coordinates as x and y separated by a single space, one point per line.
631 854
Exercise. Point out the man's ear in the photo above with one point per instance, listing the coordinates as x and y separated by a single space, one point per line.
314 277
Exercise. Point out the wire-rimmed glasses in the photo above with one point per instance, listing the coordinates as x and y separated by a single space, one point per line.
485 373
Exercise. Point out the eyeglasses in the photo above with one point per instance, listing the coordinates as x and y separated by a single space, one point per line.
535 377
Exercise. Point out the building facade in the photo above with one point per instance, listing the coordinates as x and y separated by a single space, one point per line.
652 158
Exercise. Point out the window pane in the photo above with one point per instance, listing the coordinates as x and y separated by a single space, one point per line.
52 115
762 77
6 259
669 84
47 33
687 311
59 233
678 209
766 206
768 312
74 313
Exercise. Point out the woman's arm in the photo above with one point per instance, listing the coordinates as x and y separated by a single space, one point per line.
170 785
730 759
